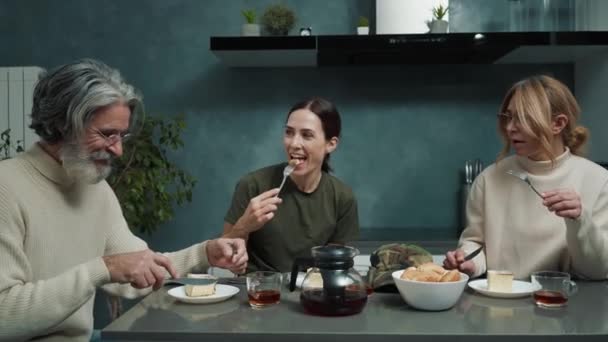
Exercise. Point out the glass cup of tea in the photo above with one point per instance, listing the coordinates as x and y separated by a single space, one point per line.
264 288
555 288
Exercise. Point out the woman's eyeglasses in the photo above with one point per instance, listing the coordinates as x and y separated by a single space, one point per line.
506 118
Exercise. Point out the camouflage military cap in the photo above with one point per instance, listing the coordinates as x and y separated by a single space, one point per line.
393 257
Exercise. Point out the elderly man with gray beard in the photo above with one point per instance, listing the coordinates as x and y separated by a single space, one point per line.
62 232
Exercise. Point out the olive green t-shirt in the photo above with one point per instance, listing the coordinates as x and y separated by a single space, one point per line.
302 221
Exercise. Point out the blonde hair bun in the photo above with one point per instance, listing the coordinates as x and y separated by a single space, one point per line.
580 135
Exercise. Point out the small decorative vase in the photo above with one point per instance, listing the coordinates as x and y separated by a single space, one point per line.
439 26
363 30
250 30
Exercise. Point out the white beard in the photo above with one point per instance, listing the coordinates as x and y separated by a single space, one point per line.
79 164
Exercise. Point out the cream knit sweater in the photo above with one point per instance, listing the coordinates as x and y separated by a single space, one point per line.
53 233
522 235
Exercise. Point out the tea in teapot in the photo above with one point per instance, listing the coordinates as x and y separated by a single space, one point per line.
332 287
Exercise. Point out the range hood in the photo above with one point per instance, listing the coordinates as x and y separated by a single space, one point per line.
449 48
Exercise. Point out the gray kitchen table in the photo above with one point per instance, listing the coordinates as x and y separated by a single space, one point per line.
385 318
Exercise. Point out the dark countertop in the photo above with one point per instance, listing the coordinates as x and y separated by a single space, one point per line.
386 317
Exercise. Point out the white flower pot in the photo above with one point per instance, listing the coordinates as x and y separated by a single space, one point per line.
439 26
250 30
363 30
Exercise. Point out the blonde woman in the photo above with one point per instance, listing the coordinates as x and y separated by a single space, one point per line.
566 227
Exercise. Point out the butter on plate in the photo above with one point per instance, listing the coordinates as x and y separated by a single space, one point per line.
500 281
200 290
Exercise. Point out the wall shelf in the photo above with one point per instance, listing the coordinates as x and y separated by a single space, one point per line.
450 48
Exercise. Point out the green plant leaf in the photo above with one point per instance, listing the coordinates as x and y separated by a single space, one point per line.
146 182
439 12
363 22
278 19
249 16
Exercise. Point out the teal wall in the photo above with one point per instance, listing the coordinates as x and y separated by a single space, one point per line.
407 130
591 84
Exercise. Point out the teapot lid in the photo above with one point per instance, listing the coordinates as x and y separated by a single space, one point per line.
334 252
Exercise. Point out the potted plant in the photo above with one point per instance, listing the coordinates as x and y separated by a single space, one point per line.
278 20
6 145
438 24
363 26
145 181
250 28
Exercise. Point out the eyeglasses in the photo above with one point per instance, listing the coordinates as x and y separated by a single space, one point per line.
506 118
113 138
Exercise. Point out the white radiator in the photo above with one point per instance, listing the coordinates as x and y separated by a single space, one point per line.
16 94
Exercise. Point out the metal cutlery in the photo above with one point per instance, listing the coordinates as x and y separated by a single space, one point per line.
205 281
477 168
286 172
524 177
191 281
468 172
473 254
472 169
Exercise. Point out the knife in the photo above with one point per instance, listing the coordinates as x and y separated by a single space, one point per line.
474 254
205 281
191 281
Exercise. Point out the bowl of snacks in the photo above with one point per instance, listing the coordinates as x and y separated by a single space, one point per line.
430 286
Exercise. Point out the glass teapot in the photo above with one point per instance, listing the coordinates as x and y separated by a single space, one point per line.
332 287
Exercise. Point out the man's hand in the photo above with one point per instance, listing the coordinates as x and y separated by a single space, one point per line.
228 253
141 269
564 203
455 260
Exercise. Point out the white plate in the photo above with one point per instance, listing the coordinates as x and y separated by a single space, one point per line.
520 289
222 292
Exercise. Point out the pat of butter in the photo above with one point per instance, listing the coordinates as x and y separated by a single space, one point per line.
200 290
500 281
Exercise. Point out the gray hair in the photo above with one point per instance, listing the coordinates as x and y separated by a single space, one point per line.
66 98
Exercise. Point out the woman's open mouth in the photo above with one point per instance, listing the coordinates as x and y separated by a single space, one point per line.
517 143
297 159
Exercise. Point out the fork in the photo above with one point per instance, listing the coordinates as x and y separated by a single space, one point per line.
524 177
286 172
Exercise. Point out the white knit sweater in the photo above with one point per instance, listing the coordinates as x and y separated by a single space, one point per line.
53 234
522 235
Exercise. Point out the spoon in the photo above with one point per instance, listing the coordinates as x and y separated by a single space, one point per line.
287 171
524 177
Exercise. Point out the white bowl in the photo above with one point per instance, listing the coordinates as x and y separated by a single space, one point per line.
430 295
